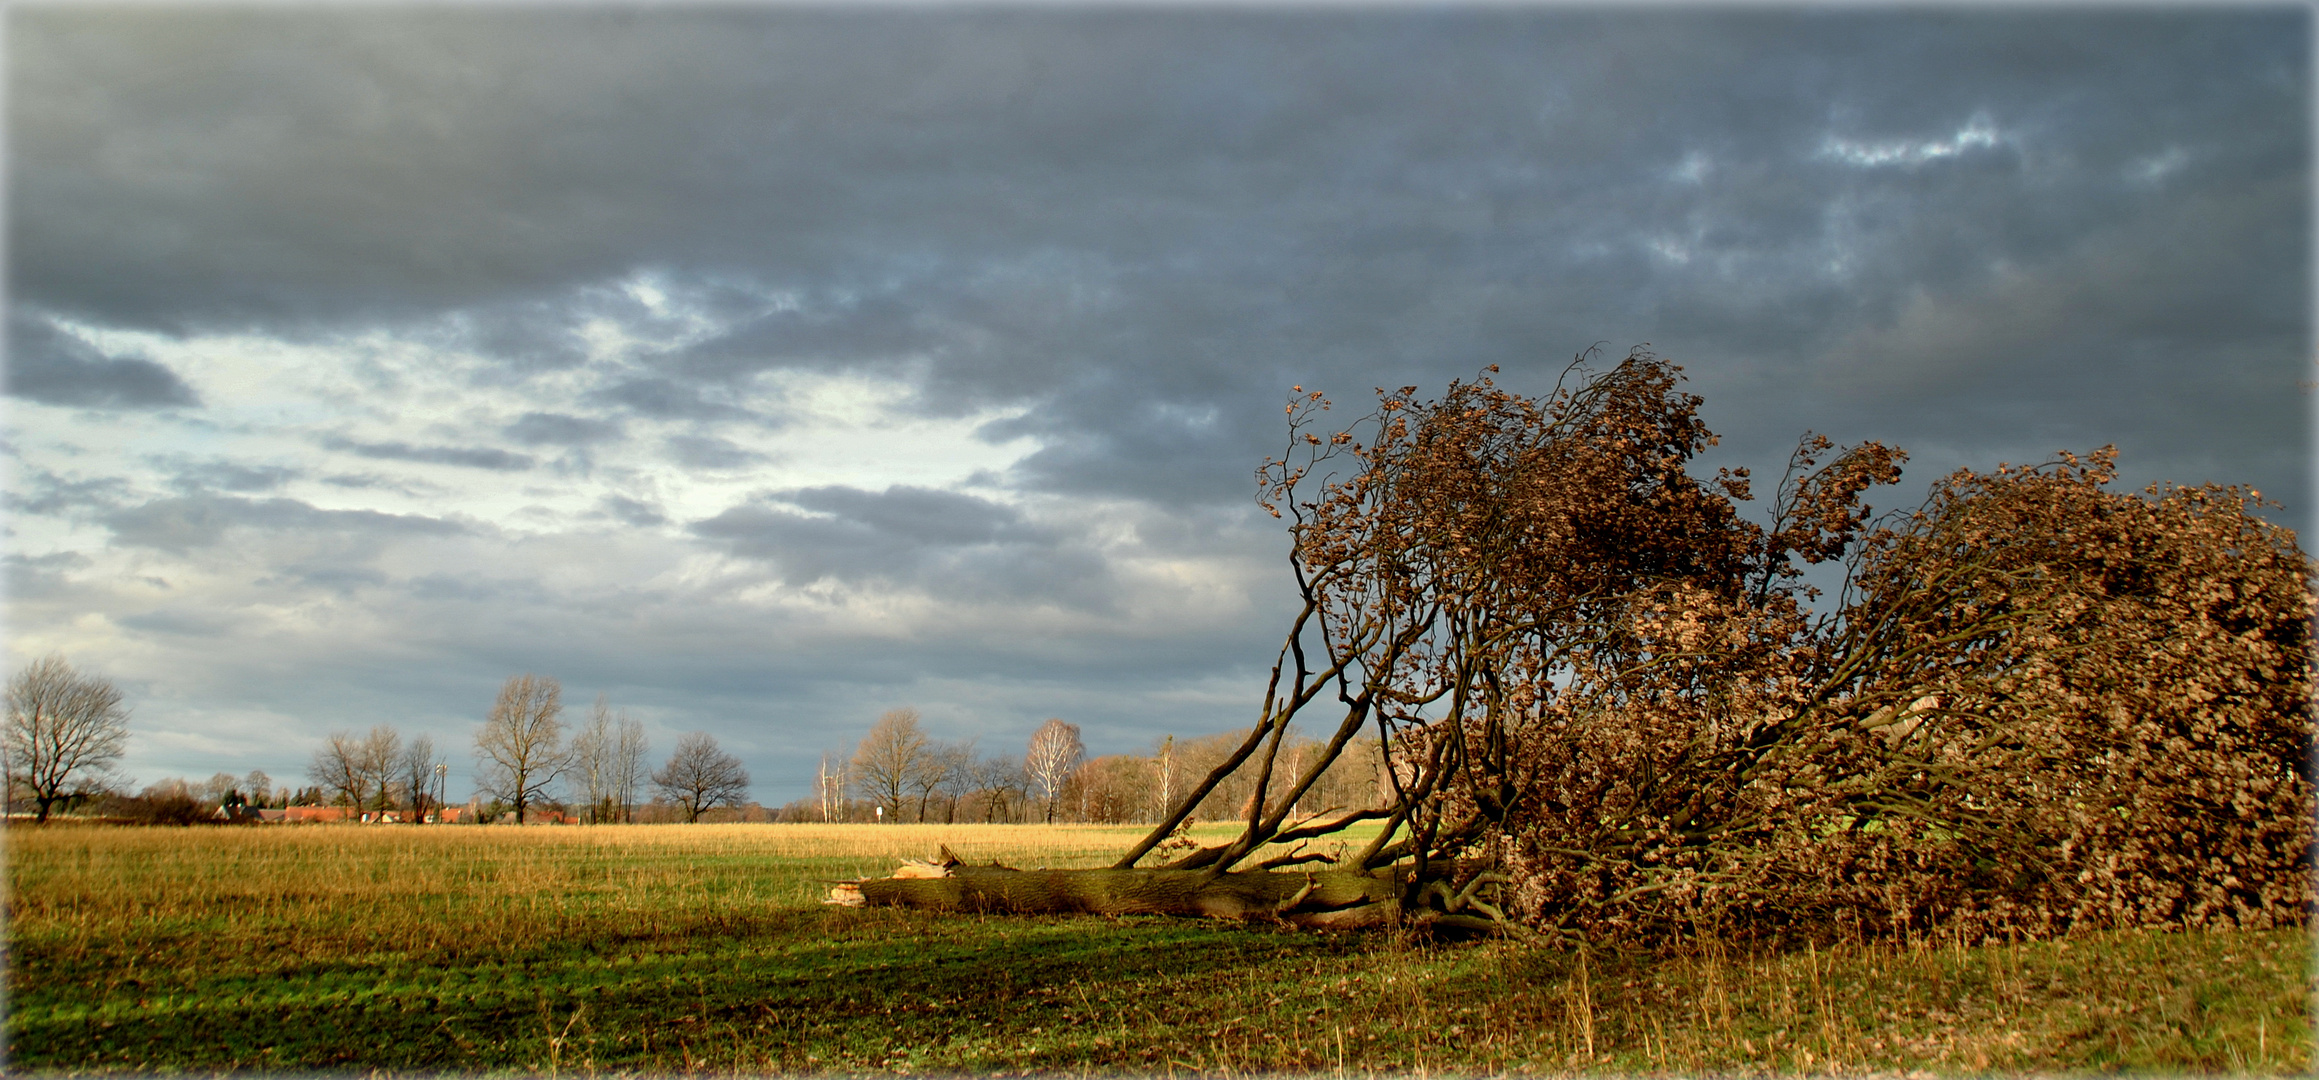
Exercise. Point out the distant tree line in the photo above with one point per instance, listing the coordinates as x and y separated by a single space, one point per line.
898 773
522 759
66 732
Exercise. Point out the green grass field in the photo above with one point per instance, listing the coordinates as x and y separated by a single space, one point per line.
667 949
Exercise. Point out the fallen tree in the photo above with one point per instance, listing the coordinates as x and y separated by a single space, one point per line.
1610 707
1330 899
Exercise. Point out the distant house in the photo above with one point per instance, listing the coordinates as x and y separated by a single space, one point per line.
448 815
537 816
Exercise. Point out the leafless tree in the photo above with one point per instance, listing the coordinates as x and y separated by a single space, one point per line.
519 749
1167 774
1117 788
608 763
890 759
259 788
595 752
628 774
337 767
65 731
219 789
415 770
1001 782
1054 755
360 769
379 755
955 762
700 776
943 764
830 788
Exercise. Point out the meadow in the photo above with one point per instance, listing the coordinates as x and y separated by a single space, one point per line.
686 949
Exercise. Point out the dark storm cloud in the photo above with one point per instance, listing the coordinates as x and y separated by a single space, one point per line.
954 546
182 524
48 365
1134 219
473 457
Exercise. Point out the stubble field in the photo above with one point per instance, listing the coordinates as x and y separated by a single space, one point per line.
682 949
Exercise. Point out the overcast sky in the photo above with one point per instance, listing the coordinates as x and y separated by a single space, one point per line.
769 368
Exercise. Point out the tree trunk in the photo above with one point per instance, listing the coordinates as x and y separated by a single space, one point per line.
1329 899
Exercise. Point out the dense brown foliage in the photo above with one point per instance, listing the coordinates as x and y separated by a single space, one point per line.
2034 705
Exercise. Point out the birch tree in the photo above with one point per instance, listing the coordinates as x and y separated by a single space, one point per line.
606 762
1054 755
629 747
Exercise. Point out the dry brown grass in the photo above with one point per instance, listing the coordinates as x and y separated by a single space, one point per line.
702 948
392 886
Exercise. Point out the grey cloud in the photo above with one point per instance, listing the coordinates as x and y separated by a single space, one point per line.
41 577
178 622
529 335
664 399
632 511
537 428
474 457
953 545
221 475
185 523
366 481
48 365
329 577
923 515
49 493
711 452
849 326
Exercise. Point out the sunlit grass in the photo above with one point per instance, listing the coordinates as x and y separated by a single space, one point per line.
685 948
